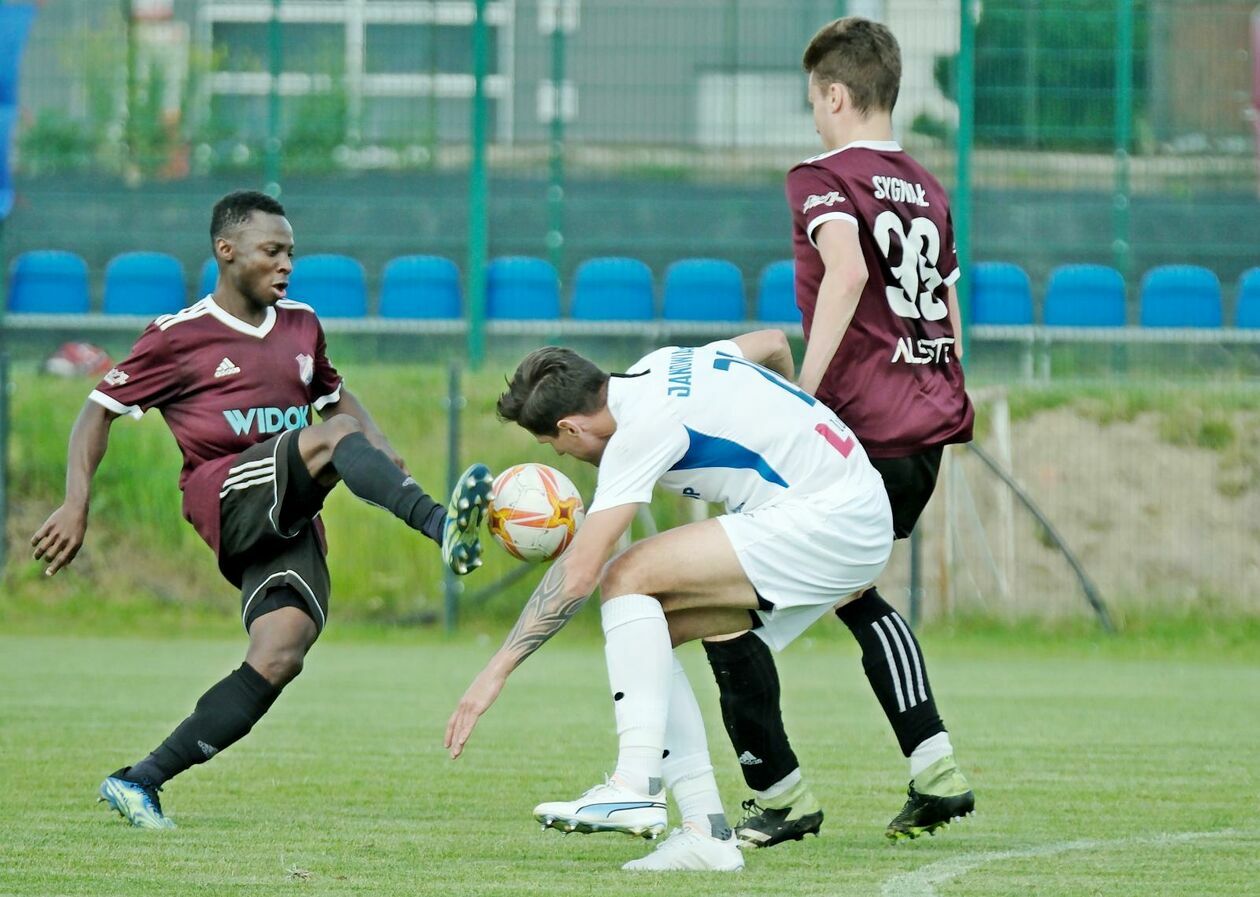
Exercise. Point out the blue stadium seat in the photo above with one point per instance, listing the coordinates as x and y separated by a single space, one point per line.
1180 296
704 290
334 285
520 288
144 283
613 289
209 276
1085 296
1000 294
48 282
776 295
1248 312
420 286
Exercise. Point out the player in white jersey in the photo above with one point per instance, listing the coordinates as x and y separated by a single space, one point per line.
808 525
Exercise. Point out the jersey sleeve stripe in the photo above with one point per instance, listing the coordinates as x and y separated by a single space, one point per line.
813 225
952 277
331 399
115 406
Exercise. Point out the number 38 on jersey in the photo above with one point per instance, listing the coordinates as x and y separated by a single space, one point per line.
914 293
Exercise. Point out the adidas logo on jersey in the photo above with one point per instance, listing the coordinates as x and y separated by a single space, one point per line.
226 369
747 758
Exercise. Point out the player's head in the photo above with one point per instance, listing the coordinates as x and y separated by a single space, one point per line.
562 399
253 244
854 68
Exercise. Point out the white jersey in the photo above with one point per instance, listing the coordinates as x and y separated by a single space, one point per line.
708 424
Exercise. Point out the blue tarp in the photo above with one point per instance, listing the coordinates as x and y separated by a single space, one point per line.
15 23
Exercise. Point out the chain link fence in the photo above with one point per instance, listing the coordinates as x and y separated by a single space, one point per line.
1113 132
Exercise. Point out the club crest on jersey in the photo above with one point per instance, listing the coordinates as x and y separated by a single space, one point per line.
116 377
306 369
826 199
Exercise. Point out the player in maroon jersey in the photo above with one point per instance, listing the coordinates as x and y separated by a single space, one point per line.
235 376
875 273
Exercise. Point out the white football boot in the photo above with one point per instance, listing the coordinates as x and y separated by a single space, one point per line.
687 850
610 807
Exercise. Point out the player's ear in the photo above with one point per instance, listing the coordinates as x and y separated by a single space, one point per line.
837 96
223 249
567 425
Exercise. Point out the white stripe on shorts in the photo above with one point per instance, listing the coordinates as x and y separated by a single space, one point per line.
247 468
268 477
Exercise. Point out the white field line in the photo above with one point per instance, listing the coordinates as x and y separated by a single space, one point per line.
922 882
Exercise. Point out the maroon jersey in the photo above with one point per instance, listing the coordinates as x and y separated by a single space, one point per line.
223 385
895 378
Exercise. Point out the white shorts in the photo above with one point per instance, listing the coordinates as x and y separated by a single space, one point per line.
804 554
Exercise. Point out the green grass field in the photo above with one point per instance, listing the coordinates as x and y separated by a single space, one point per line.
1101 767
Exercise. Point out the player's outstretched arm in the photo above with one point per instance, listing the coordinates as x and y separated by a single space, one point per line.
349 404
559 596
770 349
61 536
844 278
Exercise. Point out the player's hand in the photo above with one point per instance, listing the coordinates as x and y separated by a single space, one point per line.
476 701
60 538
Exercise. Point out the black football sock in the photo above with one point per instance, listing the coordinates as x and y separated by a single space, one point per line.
369 474
223 716
748 684
895 667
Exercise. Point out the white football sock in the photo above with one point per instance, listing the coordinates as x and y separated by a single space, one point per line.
637 649
928 752
781 787
687 768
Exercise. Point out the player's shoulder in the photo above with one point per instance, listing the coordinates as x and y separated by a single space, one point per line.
184 316
292 306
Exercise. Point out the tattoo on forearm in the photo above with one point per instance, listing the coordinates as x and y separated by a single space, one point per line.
546 612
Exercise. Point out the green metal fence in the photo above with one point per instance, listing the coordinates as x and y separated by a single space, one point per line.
1113 131
1120 132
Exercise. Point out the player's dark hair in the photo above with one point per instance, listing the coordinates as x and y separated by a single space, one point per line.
550 384
860 54
234 210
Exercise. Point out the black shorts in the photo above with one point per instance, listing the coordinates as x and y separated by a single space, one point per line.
268 533
910 482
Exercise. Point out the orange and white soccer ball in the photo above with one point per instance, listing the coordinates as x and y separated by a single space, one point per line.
534 511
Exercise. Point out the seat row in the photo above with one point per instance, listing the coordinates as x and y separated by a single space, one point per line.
420 287
1183 296
522 288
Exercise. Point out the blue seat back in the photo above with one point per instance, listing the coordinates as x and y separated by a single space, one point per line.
613 289
1085 296
1000 294
776 294
48 282
1180 296
420 286
334 285
144 283
208 277
520 287
704 290
1248 312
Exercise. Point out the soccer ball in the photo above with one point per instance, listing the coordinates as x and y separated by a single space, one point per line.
534 511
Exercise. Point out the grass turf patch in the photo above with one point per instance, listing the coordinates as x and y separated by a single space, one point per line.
1097 770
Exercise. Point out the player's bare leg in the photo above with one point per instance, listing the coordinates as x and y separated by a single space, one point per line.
691 570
